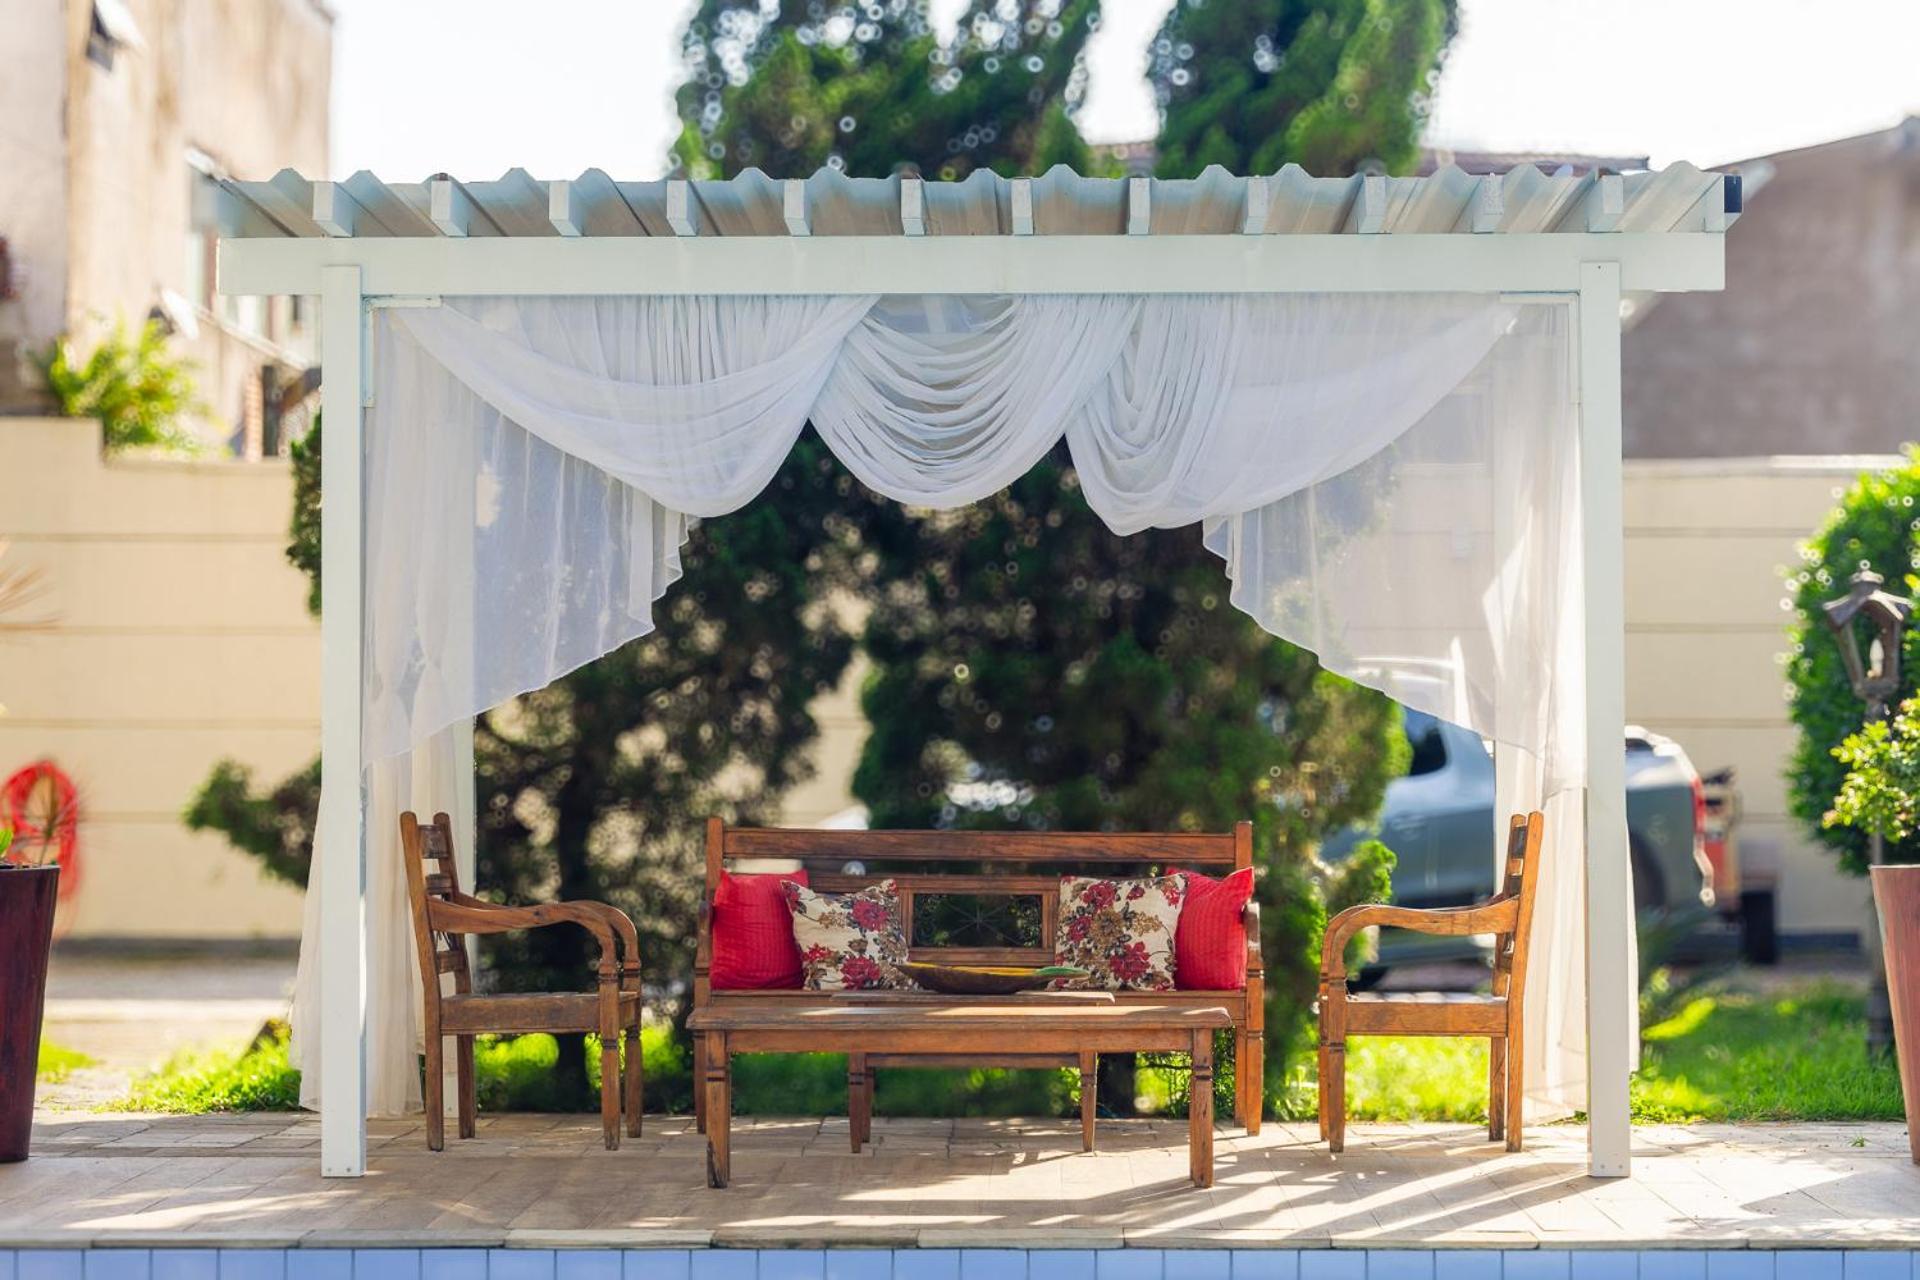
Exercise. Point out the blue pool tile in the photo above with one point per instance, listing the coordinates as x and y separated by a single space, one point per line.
184 1264
1399 1264
319 1264
253 1264
391 1264
1193 1264
1466 1264
794 1264
1739 1264
1605 1264
1266 1264
1808 1264
519 1264
49 1264
116 1264
1129 1264
453 1264
1537 1264
926 1264
656 1264
1878 1264
6 1264
1673 1264
724 1264
983 1264
1333 1264
579 1264
1060 1264
859 1264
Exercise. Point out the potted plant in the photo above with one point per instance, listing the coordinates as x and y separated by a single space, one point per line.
1881 795
29 889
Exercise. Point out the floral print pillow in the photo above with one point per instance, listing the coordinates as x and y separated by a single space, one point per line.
848 941
1121 931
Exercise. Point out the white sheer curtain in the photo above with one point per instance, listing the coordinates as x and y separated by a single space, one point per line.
1388 478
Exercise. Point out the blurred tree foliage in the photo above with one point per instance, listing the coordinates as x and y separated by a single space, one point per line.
1875 526
1335 86
788 86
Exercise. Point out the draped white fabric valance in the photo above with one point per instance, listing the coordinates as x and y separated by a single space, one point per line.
1390 480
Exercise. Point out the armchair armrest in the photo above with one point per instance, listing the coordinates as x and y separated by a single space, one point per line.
472 915
1497 915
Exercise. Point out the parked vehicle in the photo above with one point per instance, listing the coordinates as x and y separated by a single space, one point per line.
1439 820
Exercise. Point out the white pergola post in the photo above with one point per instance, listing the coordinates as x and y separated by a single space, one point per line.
1609 892
341 858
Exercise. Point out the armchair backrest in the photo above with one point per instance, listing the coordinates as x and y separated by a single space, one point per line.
433 877
1519 880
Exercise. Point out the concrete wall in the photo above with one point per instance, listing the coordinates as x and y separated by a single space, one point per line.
1706 542
181 637
33 197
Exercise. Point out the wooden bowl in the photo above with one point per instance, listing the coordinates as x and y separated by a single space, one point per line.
984 980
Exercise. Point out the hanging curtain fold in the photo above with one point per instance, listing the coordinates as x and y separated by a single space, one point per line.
1388 479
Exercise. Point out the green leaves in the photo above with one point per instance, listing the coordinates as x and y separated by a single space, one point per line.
140 392
1873 526
1882 787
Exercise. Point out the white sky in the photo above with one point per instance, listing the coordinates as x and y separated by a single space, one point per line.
474 87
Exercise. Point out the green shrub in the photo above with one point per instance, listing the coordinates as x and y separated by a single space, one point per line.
140 392
1882 785
57 1062
1874 526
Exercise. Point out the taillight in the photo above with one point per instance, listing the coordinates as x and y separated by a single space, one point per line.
1699 808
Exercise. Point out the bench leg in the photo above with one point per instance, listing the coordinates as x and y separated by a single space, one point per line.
699 1083
1249 1074
1200 1110
1089 1097
1336 1095
1516 1092
719 1095
463 1075
436 1091
635 1082
1496 1089
858 1099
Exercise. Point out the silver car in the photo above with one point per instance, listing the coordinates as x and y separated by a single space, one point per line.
1439 821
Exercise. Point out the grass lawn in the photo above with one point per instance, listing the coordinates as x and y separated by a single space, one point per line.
57 1062
1796 1054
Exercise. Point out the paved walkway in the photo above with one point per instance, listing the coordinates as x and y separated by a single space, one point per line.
538 1181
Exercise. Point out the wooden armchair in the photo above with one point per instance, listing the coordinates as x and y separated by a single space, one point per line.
1497 1016
442 916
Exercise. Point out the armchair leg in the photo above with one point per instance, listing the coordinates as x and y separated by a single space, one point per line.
858 1099
463 1070
635 1079
436 1092
1337 1096
610 1089
1089 1097
1496 1089
1516 1091
1324 1070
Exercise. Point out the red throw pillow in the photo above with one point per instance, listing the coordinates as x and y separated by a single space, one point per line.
753 945
1210 944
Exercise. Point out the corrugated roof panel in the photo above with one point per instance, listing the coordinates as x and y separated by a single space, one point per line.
1681 198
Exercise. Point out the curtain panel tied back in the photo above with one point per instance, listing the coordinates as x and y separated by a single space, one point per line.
1390 481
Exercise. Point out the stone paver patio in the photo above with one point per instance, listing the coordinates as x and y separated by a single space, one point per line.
536 1181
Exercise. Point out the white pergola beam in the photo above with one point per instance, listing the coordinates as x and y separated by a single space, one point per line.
1139 206
1368 217
1020 198
1611 984
838 265
334 211
1253 218
562 210
449 207
793 207
913 207
680 211
340 861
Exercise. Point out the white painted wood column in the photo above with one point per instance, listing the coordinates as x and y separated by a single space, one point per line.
342 855
1609 889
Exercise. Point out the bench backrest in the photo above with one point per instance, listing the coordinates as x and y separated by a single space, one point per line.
432 875
971 897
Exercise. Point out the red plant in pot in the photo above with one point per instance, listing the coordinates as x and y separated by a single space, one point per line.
39 824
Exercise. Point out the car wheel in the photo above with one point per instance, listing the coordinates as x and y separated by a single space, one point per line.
1759 934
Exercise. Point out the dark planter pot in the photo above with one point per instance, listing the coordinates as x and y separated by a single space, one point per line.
27 899
1896 892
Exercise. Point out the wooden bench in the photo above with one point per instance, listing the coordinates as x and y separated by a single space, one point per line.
937 871
907 1029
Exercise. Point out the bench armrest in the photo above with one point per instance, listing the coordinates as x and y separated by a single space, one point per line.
1250 921
1497 915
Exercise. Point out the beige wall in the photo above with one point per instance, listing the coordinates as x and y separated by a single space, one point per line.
1706 542
181 637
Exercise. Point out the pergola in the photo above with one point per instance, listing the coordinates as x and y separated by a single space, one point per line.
1582 242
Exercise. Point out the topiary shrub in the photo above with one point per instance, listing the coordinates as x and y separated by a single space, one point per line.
140 391
1876 526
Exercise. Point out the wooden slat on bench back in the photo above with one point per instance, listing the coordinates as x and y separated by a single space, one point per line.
998 846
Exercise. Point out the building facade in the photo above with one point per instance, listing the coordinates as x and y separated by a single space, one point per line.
120 116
